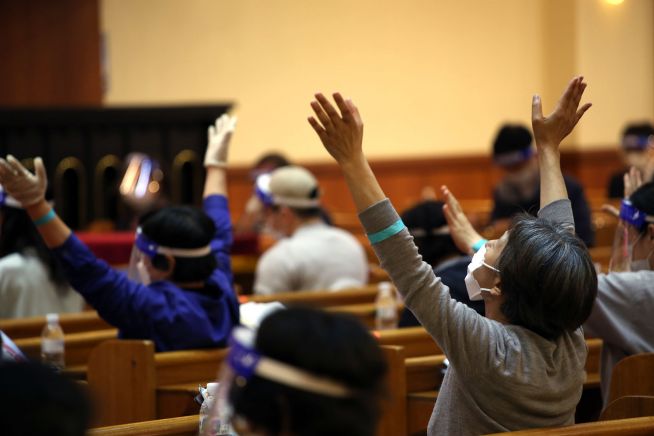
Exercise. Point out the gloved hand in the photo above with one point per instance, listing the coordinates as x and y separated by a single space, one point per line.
219 136
25 187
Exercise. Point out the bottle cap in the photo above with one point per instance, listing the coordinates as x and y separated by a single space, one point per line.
52 318
385 288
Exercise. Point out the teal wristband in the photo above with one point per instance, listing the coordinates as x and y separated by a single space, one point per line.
45 219
389 231
477 245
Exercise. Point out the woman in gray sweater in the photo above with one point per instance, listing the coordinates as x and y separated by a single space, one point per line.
521 366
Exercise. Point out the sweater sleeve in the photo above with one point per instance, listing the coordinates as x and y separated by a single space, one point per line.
467 338
560 212
118 300
217 208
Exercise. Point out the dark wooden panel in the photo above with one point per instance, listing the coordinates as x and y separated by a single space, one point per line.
50 53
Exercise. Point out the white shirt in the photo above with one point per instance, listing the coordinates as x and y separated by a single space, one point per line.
26 289
315 257
622 318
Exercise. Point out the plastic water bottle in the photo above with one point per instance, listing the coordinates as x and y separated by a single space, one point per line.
386 307
52 343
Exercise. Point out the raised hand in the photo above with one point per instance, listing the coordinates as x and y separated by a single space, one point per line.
219 135
25 187
341 133
549 131
463 234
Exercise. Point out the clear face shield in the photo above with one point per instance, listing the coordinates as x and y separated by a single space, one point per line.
627 235
243 362
145 247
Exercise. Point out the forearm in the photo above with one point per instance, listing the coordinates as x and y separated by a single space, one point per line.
552 185
55 232
215 182
361 182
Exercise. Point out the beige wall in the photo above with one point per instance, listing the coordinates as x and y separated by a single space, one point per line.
430 77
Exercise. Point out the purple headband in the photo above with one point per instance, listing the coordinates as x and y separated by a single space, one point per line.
515 157
633 216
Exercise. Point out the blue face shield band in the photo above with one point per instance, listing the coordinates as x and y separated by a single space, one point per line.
630 214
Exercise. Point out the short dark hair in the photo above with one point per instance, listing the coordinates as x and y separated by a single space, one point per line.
273 159
422 220
335 346
182 227
547 277
638 129
643 200
36 400
19 235
511 138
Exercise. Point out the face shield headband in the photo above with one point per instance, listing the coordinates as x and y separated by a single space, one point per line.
245 362
636 142
151 248
630 214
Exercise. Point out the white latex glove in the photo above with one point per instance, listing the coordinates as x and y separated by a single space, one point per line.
25 187
219 136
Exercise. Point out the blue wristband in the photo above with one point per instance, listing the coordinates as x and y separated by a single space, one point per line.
389 231
477 245
45 219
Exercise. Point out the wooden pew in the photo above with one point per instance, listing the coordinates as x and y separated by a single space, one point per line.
78 347
132 383
391 424
318 299
629 406
633 375
182 426
620 427
32 327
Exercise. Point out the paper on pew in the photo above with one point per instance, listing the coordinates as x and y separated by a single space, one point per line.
253 313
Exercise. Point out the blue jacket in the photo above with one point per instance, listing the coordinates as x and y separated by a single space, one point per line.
173 318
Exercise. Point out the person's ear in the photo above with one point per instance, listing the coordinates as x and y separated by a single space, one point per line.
164 263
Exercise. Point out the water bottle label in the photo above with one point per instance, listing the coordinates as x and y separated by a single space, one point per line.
386 312
52 346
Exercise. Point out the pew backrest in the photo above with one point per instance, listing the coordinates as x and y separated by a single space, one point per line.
31 327
78 346
182 426
633 375
325 298
619 427
630 406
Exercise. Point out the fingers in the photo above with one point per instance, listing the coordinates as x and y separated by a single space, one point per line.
232 122
451 200
354 111
611 210
582 111
16 165
317 127
334 116
320 113
536 108
211 132
343 107
39 169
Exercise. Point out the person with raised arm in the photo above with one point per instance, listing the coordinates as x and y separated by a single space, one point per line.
178 290
521 366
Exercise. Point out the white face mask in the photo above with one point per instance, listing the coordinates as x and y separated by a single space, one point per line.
472 285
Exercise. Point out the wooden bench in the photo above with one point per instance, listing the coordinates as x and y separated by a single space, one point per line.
620 427
32 327
132 383
633 375
181 426
319 299
78 348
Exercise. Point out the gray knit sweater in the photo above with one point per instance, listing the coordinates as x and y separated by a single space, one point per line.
501 377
